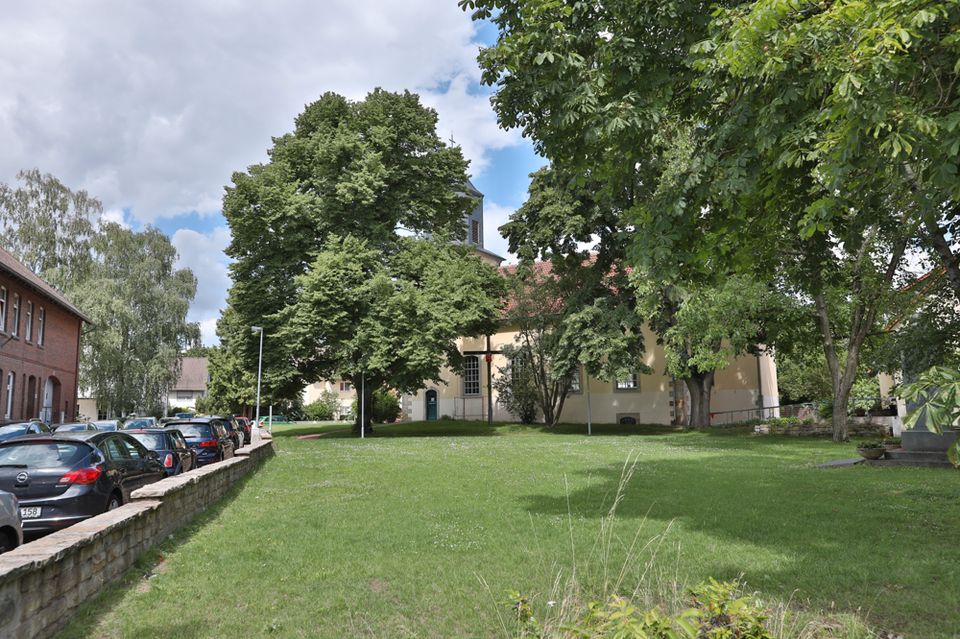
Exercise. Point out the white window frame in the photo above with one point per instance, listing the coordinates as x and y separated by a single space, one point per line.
471 376
11 383
183 395
41 326
3 309
629 384
15 329
28 324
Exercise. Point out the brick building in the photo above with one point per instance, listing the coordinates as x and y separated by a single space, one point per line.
39 346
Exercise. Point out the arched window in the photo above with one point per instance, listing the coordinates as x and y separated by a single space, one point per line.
471 375
3 309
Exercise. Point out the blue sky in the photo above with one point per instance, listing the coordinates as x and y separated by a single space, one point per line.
151 106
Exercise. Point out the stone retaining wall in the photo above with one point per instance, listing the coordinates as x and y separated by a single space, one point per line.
858 426
44 581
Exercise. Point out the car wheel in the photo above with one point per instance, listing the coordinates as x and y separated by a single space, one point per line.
8 541
115 502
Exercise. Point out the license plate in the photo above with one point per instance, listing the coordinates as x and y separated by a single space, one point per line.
31 512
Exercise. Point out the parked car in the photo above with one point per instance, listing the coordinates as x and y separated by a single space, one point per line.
107 424
9 430
175 455
206 435
134 423
63 478
233 429
245 425
74 427
11 532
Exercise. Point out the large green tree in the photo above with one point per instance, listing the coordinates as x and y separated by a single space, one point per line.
48 226
713 125
138 301
387 320
569 316
125 281
369 171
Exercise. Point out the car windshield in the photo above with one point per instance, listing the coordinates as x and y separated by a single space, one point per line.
43 454
107 425
195 430
137 423
13 429
153 441
66 428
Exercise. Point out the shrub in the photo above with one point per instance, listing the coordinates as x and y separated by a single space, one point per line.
386 407
781 422
718 610
324 409
516 390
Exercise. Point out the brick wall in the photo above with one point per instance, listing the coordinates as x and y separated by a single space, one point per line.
55 359
44 581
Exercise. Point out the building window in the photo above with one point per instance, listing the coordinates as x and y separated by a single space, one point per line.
41 326
575 381
3 309
471 375
184 395
629 382
15 329
475 231
28 328
11 382
345 387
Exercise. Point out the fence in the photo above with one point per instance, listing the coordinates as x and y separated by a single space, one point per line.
858 406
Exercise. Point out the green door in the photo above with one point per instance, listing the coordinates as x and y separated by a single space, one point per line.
431 405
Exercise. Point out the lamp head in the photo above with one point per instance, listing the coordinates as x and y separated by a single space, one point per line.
256 329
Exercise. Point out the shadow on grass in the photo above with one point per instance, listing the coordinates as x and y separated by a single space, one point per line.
440 428
88 615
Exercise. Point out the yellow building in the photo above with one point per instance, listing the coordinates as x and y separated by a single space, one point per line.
740 390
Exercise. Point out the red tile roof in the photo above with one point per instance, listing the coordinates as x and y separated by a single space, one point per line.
13 266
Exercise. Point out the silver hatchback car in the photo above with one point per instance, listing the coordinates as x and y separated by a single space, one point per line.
11 533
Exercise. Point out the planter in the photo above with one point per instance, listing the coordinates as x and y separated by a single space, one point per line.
891 447
871 453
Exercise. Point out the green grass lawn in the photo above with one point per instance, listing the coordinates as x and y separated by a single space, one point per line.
421 531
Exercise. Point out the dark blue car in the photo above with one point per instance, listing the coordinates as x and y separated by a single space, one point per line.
207 436
175 454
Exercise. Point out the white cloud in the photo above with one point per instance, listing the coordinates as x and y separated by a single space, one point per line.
494 216
203 254
151 106
114 215
469 120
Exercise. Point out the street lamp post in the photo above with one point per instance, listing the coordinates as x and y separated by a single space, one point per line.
255 431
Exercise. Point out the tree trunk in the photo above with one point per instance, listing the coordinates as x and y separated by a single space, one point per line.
364 408
942 247
700 386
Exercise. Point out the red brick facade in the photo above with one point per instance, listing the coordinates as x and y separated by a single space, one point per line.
38 370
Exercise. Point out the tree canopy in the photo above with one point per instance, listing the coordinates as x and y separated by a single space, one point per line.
125 281
809 144
342 193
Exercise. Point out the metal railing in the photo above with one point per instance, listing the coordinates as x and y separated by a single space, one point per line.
866 406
